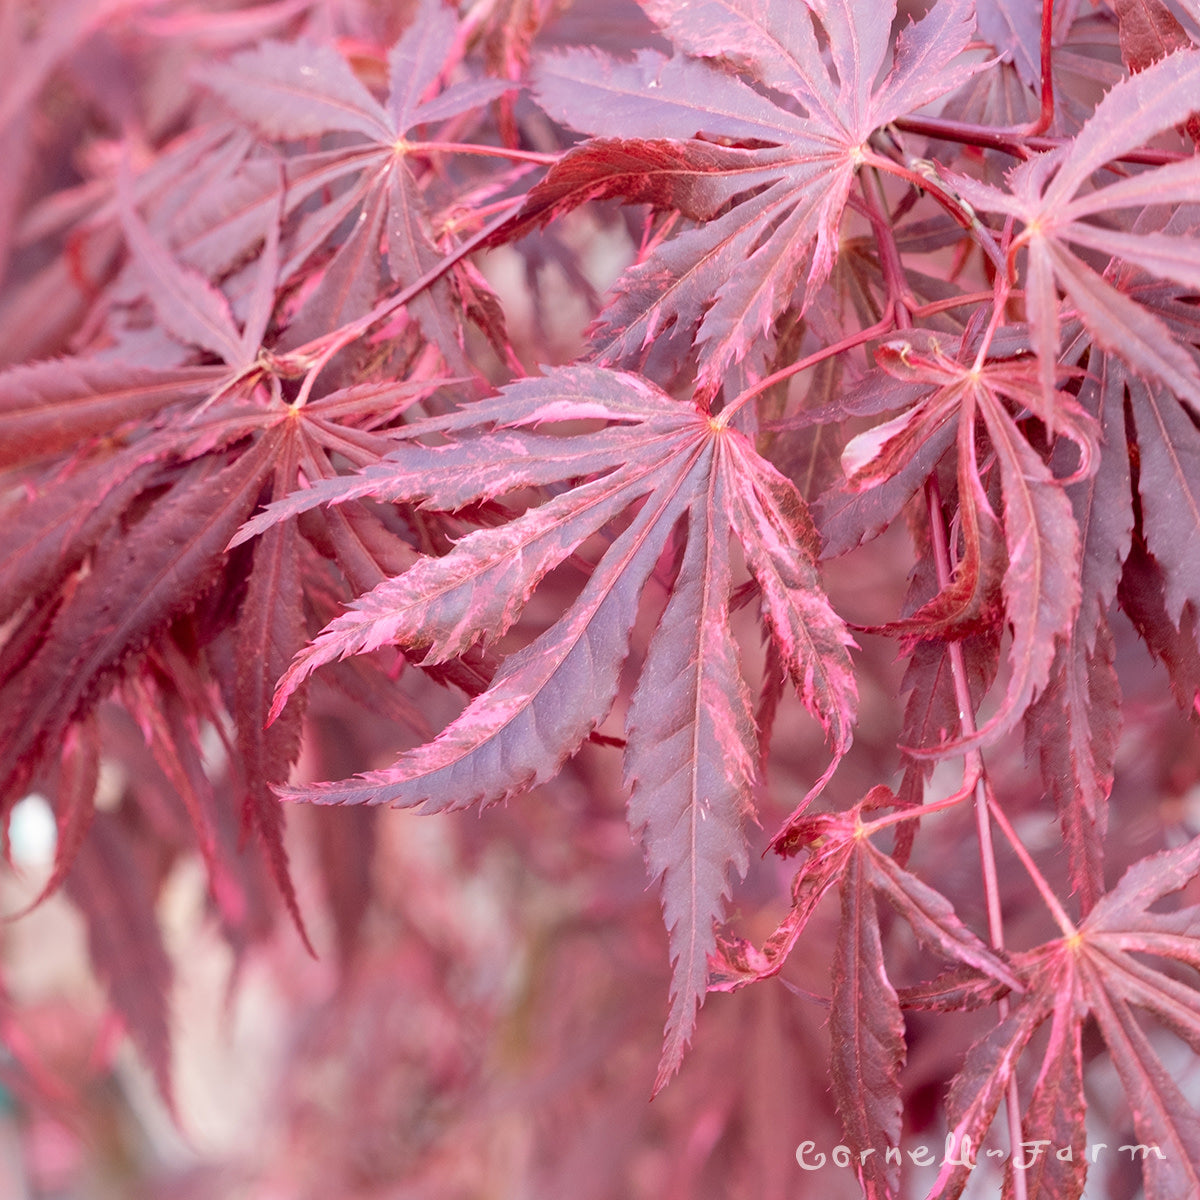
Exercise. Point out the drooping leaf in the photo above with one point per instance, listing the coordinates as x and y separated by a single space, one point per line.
868 1037
114 893
270 628
138 584
691 753
1039 558
691 761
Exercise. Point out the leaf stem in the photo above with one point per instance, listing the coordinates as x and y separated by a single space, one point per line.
966 718
999 303
959 209
937 306
1061 919
885 325
973 764
965 792
901 298
485 151
1047 114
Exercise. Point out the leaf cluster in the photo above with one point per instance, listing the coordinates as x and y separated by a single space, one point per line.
288 453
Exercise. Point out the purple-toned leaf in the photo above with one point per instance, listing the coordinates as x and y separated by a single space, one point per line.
50 533
51 408
693 176
733 277
79 774
1162 1117
978 1089
137 585
1041 582
691 747
1014 29
1120 325
1134 111
691 757
297 90
1055 1116
779 541
187 304
270 629
266 280
411 253
112 890
655 97
933 919
830 839
443 605
545 700
924 68
1141 594
1169 453
349 285
1146 882
1073 726
867 1035
418 58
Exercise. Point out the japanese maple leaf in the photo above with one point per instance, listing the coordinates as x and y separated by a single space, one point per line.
1144 496
758 134
1029 552
866 1025
1074 724
1049 194
1105 970
115 551
302 89
656 466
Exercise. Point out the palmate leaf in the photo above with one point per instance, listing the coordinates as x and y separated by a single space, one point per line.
291 90
867 1051
1039 557
773 193
1094 972
1114 981
830 840
1046 195
691 740
113 547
